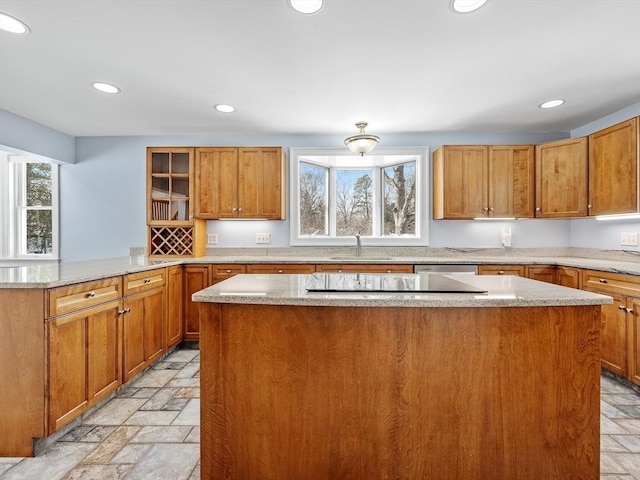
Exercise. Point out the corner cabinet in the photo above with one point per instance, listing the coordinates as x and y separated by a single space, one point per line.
561 179
614 161
476 181
244 182
173 230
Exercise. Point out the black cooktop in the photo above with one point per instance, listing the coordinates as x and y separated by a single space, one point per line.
387 283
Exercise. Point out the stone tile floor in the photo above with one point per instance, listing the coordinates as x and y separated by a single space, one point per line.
150 430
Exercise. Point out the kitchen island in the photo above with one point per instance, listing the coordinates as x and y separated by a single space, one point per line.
369 385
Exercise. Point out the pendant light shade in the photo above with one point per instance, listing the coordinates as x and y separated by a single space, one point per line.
363 142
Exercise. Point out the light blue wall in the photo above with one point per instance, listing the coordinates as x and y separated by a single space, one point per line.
22 136
102 195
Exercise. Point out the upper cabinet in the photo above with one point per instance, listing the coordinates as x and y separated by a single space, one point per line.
613 169
475 181
173 230
240 183
561 179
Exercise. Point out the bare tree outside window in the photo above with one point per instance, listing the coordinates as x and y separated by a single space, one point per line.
354 208
37 210
400 199
313 199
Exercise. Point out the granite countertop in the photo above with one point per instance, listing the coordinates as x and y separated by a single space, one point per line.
50 275
502 291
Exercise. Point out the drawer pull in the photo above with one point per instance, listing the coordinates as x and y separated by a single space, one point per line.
629 310
228 270
621 307
123 311
280 270
147 280
91 294
501 272
602 280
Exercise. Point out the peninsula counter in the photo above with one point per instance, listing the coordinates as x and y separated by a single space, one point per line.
307 385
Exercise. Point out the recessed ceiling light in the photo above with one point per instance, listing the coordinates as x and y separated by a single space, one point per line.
466 6
551 103
105 87
221 107
12 25
307 7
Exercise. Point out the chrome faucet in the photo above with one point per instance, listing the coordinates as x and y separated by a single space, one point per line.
358 246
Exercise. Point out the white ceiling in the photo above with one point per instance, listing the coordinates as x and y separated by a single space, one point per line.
401 65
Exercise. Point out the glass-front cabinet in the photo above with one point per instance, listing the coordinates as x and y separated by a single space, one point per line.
172 229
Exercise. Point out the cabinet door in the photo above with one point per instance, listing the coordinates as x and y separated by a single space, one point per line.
568 277
613 333
634 339
67 369
133 336
613 169
542 273
103 352
260 178
174 305
154 324
561 179
196 277
460 182
511 181
216 183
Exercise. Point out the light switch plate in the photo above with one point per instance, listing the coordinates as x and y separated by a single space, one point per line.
263 238
212 238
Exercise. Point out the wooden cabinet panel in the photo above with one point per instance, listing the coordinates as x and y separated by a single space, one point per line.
612 282
133 337
137 282
518 270
561 179
82 295
216 182
613 169
174 306
569 277
222 272
542 273
633 304
460 181
511 181
240 183
196 277
83 361
359 268
284 268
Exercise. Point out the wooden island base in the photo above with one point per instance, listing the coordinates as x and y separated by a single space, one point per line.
308 392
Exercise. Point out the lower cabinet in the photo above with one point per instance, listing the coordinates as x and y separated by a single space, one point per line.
143 321
518 270
360 268
173 332
269 268
620 329
196 278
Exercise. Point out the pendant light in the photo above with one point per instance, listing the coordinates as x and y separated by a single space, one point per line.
363 142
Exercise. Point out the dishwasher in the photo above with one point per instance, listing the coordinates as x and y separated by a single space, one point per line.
444 269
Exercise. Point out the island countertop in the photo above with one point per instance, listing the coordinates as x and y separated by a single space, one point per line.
502 291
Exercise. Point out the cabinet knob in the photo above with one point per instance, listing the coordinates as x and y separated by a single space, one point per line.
602 280
123 311
240 210
339 270
590 205
538 209
621 307
228 270
389 271
491 209
629 310
501 272
91 294
280 270
234 210
147 280
485 209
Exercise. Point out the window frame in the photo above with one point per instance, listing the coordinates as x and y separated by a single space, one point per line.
12 225
421 237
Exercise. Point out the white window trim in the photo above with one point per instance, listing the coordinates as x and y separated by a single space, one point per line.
422 199
11 172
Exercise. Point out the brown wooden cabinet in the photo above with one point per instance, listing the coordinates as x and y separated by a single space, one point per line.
518 270
84 341
476 181
243 182
144 320
174 306
542 273
561 179
173 230
568 277
619 330
269 268
220 272
613 169
196 277
363 268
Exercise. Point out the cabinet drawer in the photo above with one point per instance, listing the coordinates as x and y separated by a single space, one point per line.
518 270
362 268
137 282
83 295
221 272
288 268
612 282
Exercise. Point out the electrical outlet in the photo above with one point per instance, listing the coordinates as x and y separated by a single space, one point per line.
212 238
263 238
629 239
